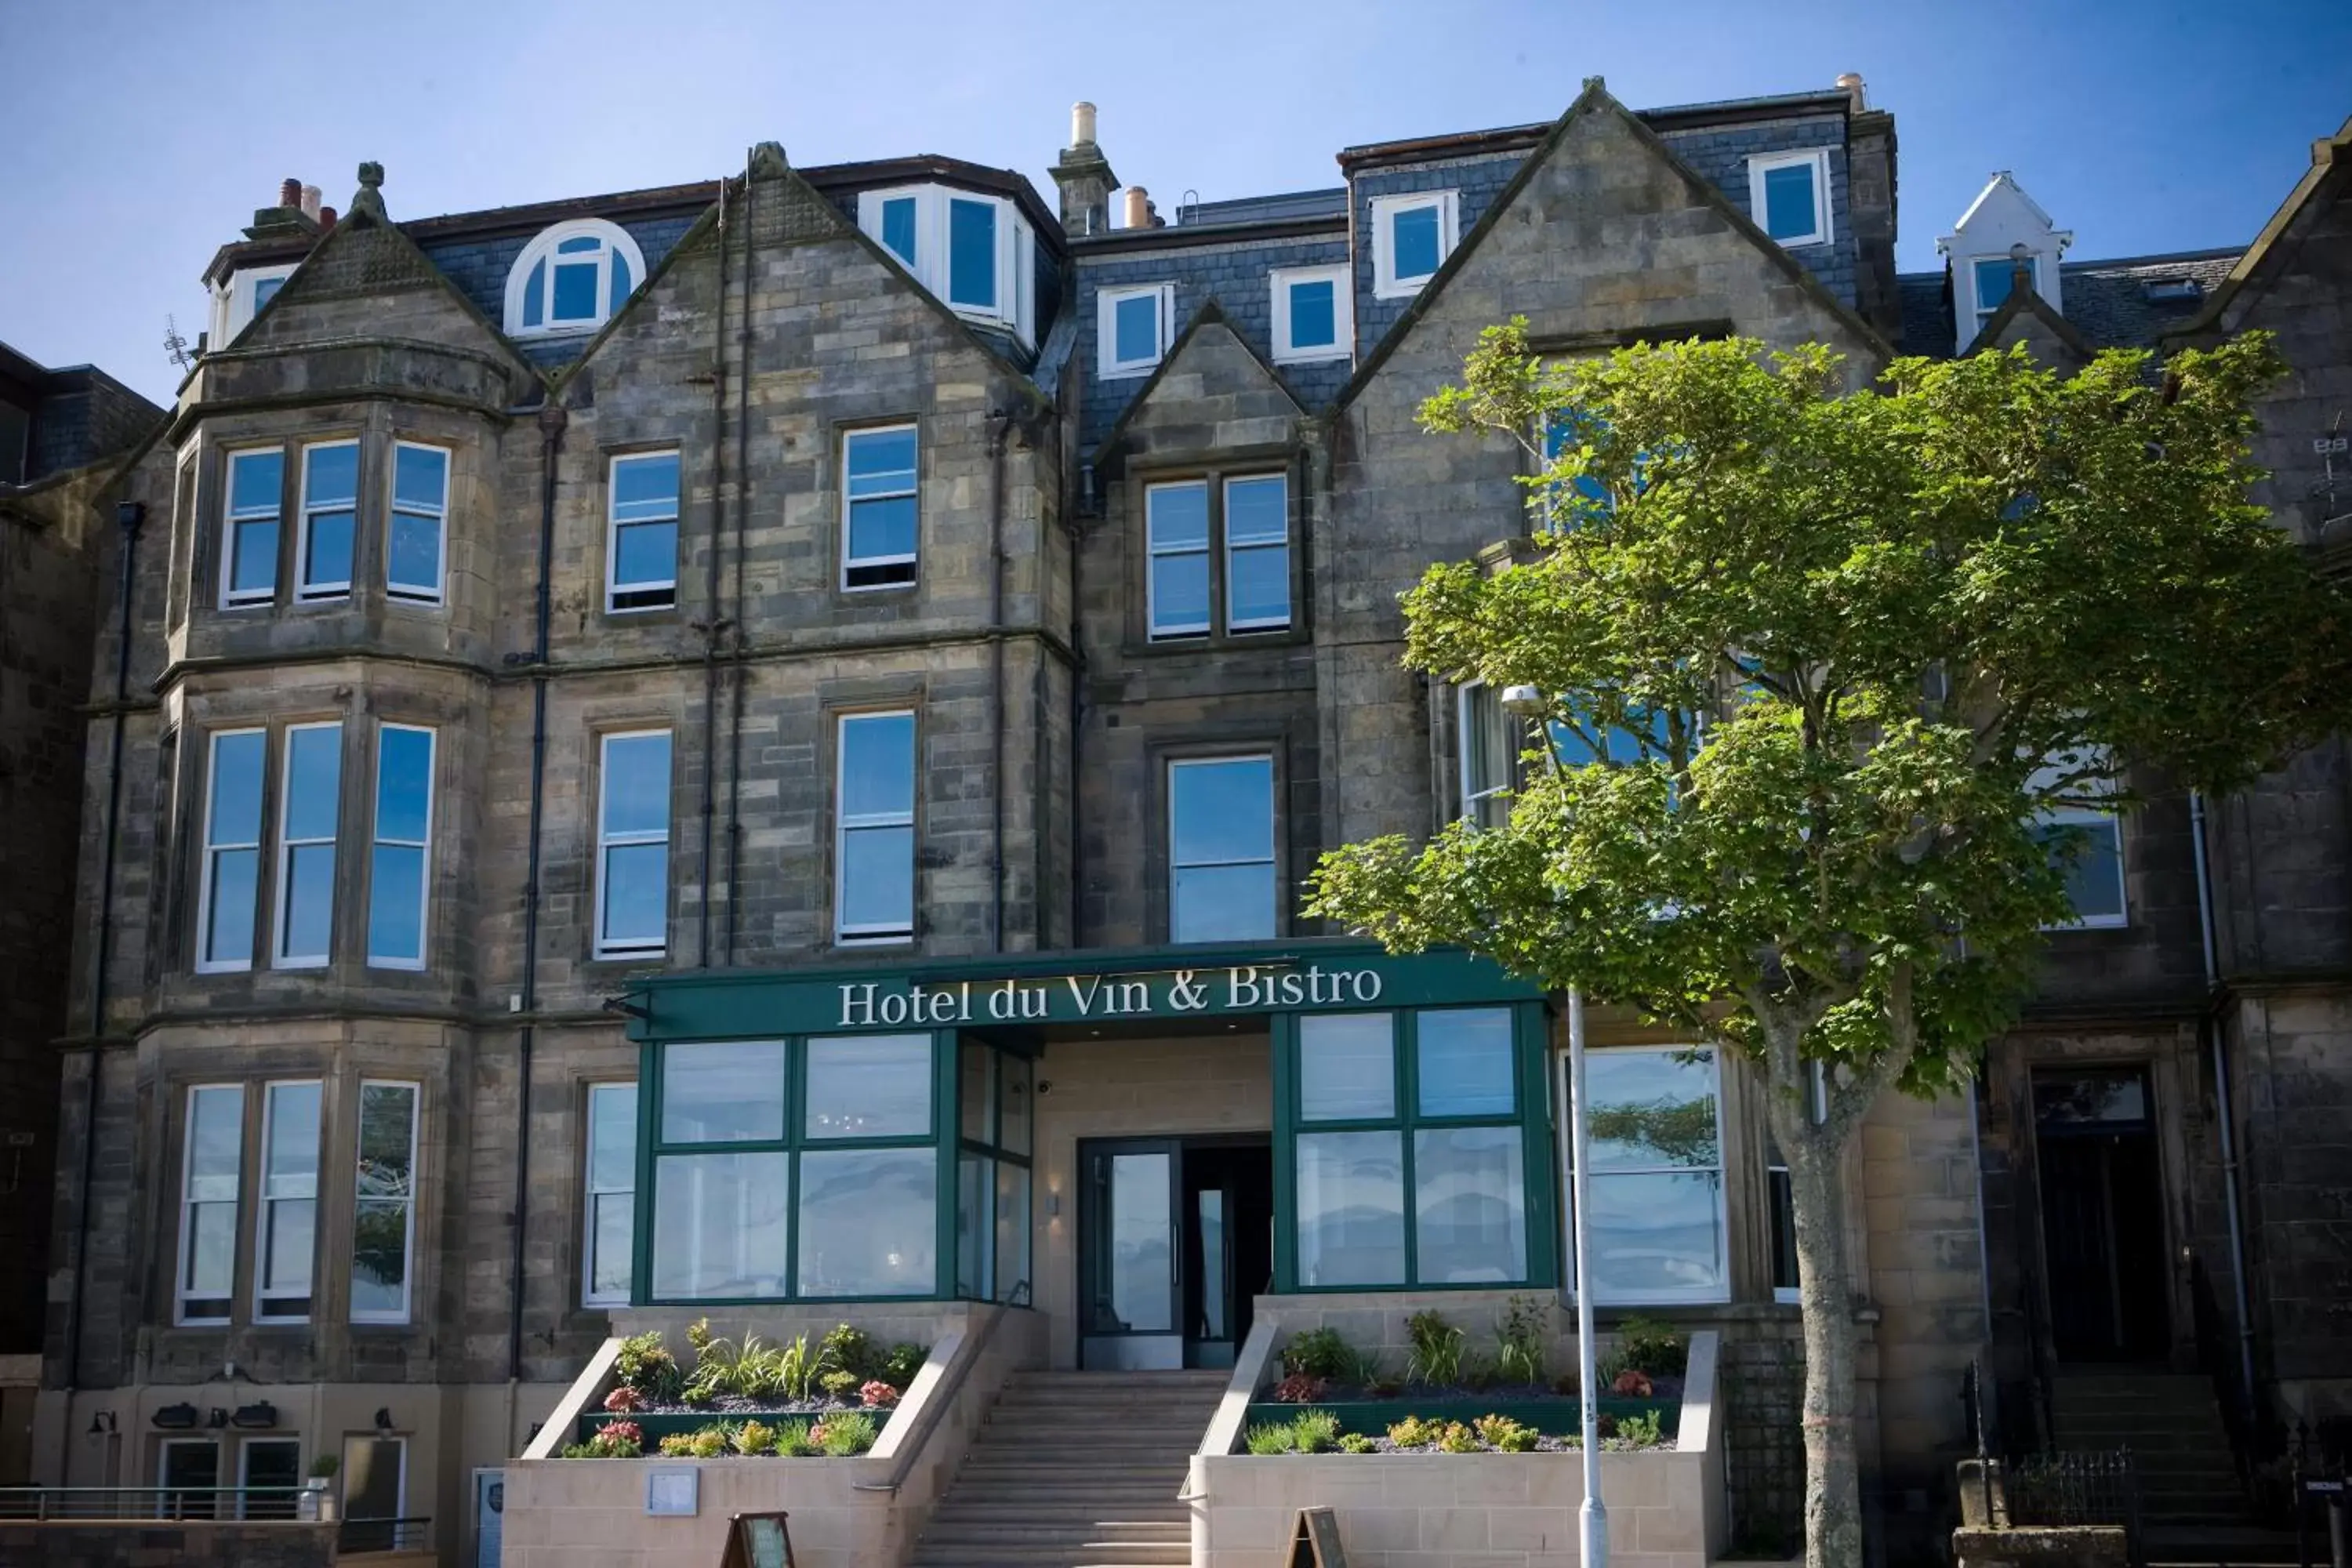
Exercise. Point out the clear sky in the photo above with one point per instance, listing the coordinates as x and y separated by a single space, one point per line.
142 133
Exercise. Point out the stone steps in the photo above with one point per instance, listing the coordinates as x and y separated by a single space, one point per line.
2173 1428
1077 1469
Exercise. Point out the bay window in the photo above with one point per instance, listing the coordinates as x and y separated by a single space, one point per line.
384 1202
287 1230
400 867
212 1164
974 251
1408 1151
417 539
309 810
330 493
231 874
1656 1232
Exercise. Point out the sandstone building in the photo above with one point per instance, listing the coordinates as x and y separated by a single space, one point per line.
747 745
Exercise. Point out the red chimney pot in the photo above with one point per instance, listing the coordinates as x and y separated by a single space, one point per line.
289 192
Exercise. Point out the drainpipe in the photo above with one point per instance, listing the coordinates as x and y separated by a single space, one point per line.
997 424
735 611
2209 1023
710 592
552 418
128 515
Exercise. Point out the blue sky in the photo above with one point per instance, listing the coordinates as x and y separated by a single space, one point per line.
145 133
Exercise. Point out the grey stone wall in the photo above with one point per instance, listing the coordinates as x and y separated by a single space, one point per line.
200 1544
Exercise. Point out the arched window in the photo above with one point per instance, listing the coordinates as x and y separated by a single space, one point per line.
572 277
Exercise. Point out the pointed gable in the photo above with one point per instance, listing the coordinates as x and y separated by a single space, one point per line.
1211 393
2002 229
2025 317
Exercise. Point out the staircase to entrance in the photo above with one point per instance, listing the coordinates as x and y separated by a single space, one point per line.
1077 1469
2171 1424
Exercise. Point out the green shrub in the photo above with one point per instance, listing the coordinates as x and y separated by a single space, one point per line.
844 1349
798 1369
1521 1334
677 1445
840 1384
1643 1431
1271 1437
791 1441
1357 1443
900 1365
1412 1432
643 1365
1645 1344
751 1438
1437 1361
708 1443
1317 1352
1315 1431
1502 1432
1477 1374
1456 1438
846 1433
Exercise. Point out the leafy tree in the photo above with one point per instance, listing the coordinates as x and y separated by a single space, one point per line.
1817 662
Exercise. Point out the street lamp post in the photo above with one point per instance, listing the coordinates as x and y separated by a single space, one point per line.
1592 1517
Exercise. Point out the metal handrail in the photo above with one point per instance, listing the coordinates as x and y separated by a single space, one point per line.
218 1504
358 1535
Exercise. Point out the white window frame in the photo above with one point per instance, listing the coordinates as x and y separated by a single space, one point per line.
181 1294
286 845
914 558
1764 163
305 590
613 586
2095 819
1983 311
1787 1295
212 848
1386 284
234 305
1465 701
845 824
1016 285
376 836
589 1295
1221 533
1343 314
230 599
264 1200
1108 366
394 510
543 248
1715 1297
1207 550
1272 861
408 1230
606 841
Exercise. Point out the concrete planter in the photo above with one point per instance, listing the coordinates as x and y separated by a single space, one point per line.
560 1512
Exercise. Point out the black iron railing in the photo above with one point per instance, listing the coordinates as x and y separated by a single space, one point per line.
226 1504
2063 1489
384 1535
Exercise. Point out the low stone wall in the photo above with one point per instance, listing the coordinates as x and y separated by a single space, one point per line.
1462 1510
121 1543
2039 1546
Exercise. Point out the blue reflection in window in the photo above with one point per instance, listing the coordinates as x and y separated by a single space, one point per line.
621 283
972 254
1414 243
1790 210
575 292
534 296
1136 329
1221 850
636 784
1313 314
898 228
1464 1062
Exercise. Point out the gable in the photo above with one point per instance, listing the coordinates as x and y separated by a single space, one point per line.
2308 238
1606 237
1211 393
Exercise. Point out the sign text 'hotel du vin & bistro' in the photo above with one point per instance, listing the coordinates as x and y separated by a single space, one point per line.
1079 998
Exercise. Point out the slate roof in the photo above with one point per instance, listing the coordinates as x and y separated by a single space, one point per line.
2106 301
1331 203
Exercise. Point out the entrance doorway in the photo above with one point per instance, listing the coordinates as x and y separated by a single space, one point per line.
1175 1238
2102 1213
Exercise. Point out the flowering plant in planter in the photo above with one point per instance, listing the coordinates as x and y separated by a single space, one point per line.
877 1394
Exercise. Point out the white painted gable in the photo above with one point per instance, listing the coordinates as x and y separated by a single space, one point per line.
2001 218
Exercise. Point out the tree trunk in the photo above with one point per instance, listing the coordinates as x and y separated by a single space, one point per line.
1833 1478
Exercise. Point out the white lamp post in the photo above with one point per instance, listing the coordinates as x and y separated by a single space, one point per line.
1592 1517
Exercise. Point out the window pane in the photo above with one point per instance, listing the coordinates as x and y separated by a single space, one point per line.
387 1141
720 1222
1347 1066
880 462
211 1252
614 1218
1995 277
870 1221
975 1235
254 569
236 787
1136 1234
1789 201
1257 510
314 769
1314 315
257 481
289 1165
1784 1224
286 1245
877 766
972 254
1655 1236
637 895
1222 811
1413 240
1011 1229
613 1136
229 923
636 784
1014 1088
579 245
379 1259
1470 1207
645 487
878 880
869 1086
575 292
1179 515
1464 1062
420 477
645 553
327 549
1350 1208
1179 592
975 1084
265 290
271 1463
1223 903
396 903
404 781
898 227
722 1091
881 528
216 1144
329 473
1651 1109
414 553
2090 850
309 901
1257 593
534 296
622 283
1136 328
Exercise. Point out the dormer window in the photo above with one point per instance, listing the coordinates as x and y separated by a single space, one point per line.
976 252
1789 195
236 303
571 279
1995 277
1411 236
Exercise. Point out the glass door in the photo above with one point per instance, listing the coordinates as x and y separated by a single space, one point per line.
1131 1283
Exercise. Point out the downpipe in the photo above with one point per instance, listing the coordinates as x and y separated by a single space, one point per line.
2209 1024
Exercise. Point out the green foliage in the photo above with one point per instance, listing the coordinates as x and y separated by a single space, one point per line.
1357 1443
1269 1437
613 1440
324 1466
644 1365
1412 1432
798 1368
1502 1432
1436 1359
677 1445
1317 1352
1309 1432
846 1433
751 1438
792 1441
751 1369
846 1349
1521 1331
708 1443
1645 1344
1643 1431
1456 1438
840 1384
901 1364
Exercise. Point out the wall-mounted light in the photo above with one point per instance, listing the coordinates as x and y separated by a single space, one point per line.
216 1418
384 1422
1053 1205
102 1423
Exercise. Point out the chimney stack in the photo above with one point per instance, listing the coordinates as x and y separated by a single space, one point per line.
311 203
1083 176
326 219
289 192
1851 82
1139 208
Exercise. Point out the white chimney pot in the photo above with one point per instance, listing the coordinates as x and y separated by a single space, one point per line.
1081 123
310 201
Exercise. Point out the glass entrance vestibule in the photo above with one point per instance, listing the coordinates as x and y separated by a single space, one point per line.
858 1135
